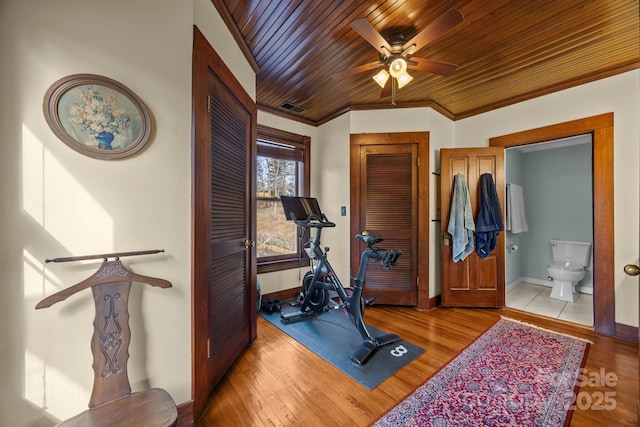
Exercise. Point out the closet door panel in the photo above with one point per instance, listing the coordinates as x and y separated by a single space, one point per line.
390 197
223 224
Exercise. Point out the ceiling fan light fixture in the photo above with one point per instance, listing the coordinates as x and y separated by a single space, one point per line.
403 79
398 67
381 78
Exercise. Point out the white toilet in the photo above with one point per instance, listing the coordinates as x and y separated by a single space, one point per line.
567 267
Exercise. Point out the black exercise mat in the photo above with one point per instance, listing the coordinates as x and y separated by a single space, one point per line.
333 337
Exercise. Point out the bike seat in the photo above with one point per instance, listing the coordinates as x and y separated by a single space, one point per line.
368 239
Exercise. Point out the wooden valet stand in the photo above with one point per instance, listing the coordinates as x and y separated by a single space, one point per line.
112 403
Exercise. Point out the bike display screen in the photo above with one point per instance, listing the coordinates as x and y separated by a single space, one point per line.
300 207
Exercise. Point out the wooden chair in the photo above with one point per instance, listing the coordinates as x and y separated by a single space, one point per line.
112 403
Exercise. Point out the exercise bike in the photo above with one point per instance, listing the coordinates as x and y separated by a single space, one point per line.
319 283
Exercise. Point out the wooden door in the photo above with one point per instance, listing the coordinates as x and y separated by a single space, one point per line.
387 200
224 266
474 281
634 270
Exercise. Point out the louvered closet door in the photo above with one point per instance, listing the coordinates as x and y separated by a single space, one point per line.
224 291
388 207
229 225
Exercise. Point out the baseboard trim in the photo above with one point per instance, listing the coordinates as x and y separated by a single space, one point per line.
435 301
626 332
282 295
185 414
293 293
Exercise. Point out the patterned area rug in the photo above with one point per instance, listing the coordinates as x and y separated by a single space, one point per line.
514 374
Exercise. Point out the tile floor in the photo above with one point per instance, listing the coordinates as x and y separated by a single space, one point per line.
535 299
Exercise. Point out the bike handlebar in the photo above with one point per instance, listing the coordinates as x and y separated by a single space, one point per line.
312 221
388 258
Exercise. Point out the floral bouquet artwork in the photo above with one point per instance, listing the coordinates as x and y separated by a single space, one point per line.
97 116
100 115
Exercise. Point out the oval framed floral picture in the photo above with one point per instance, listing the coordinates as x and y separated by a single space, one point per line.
97 116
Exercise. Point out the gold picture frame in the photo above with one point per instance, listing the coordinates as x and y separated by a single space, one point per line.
97 116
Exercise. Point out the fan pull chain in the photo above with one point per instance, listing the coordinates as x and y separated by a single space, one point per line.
393 91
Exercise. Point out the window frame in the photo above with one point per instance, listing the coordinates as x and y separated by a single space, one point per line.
302 145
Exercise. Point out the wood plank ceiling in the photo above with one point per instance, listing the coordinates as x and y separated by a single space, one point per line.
506 51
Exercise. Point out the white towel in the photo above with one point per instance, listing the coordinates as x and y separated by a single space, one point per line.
516 221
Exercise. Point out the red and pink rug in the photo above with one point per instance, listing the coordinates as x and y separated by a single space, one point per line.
514 374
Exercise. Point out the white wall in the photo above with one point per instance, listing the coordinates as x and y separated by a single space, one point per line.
619 94
209 22
56 202
330 181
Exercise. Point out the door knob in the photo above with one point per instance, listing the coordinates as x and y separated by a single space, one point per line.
631 269
249 244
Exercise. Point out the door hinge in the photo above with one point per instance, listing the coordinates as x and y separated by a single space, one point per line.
208 103
417 282
208 348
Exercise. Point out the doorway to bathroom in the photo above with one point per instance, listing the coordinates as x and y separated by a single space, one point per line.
600 127
556 182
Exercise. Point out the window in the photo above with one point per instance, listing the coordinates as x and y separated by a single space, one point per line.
282 169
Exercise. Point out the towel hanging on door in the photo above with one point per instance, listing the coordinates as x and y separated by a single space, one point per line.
461 226
489 219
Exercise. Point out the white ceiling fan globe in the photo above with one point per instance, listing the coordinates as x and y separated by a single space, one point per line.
398 67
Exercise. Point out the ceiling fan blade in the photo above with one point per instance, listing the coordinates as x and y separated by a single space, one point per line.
387 89
435 67
366 30
356 70
441 25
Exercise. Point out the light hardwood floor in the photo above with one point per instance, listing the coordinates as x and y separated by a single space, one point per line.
278 382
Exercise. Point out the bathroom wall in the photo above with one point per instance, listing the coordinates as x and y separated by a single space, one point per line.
558 195
513 260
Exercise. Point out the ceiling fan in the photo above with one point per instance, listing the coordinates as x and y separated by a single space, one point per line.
396 52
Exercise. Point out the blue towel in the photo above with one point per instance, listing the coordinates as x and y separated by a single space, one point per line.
461 224
489 219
